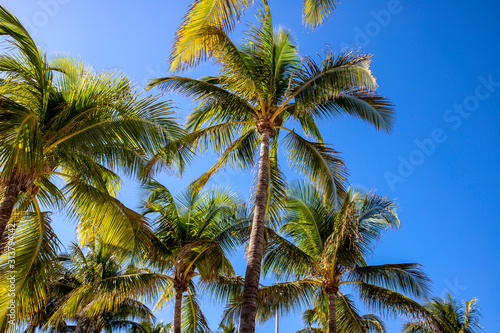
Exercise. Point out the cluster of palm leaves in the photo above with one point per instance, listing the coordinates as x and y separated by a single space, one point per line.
67 132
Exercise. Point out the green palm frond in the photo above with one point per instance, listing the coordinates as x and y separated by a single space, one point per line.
446 315
374 323
239 153
386 301
224 288
350 321
341 84
407 278
283 298
193 319
318 162
286 259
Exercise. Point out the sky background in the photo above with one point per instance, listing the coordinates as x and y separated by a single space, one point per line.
436 60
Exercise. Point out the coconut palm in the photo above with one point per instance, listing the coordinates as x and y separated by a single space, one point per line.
194 230
101 290
65 131
264 88
326 247
446 315
60 119
190 48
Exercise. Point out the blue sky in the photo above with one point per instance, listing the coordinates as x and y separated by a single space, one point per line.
436 60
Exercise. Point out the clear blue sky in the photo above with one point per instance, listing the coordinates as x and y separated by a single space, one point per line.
437 60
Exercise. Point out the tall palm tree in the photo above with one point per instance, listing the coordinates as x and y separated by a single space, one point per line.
191 48
326 247
103 290
263 88
194 230
446 315
61 119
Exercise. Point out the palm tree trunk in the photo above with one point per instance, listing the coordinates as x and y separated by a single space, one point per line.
79 324
332 305
177 311
6 207
256 246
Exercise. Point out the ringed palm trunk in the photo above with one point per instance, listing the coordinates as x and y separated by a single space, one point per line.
178 310
256 245
332 307
6 208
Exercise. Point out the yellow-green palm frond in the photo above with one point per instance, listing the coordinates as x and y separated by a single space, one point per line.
318 162
316 12
189 48
27 266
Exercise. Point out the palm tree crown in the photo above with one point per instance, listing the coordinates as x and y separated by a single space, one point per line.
61 123
446 315
190 49
194 231
326 247
97 288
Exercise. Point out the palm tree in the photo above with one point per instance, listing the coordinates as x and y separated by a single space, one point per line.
101 290
60 119
194 230
263 88
326 247
446 315
64 132
190 48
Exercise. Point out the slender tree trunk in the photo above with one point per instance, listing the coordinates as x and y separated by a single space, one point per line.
79 324
256 245
6 208
332 307
177 311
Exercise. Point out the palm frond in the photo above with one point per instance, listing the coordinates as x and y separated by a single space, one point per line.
193 319
318 162
316 12
407 278
189 49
